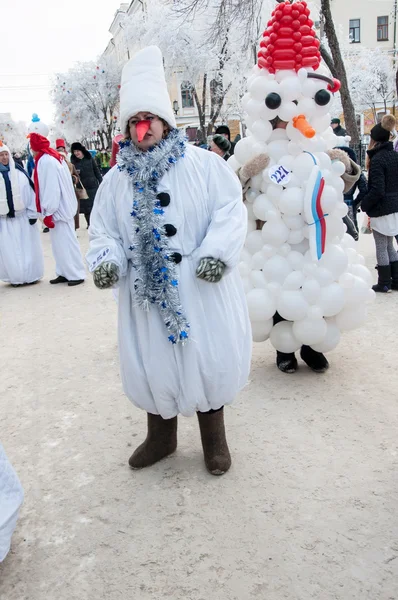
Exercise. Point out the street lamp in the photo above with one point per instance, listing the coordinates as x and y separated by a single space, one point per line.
176 107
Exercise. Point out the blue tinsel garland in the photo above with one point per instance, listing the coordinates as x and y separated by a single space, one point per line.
156 273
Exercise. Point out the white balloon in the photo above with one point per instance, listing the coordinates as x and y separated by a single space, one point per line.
258 280
233 163
287 161
329 199
341 210
311 291
261 330
284 250
251 195
254 242
262 130
294 149
257 181
277 149
352 256
285 74
277 268
294 223
310 331
287 111
351 317
332 299
338 168
358 293
275 289
245 256
247 286
295 260
302 166
257 261
282 338
268 251
323 276
362 272
261 207
321 123
315 312
254 109
250 213
260 148
292 305
331 339
334 260
290 88
261 304
274 192
296 236
294 281
334 228
244 150
251 226
244 269
346 281
302 247
275 232
260 88
291 202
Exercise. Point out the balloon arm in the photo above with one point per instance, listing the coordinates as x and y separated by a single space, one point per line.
253 167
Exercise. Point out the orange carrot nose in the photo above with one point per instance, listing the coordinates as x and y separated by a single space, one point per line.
142 129
303 126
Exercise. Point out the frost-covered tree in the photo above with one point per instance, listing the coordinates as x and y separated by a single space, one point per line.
86 99
212 68
13 133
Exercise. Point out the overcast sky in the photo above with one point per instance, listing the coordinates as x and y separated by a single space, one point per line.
33 50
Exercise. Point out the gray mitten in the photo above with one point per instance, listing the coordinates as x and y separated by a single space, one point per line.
106 275
210 269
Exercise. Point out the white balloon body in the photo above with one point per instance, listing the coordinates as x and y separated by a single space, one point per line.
297 262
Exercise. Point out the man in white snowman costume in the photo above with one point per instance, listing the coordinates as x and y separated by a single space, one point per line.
304 281
168 227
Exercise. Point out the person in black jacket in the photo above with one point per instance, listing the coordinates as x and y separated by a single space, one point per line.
353 202
381 202
337 128
89 174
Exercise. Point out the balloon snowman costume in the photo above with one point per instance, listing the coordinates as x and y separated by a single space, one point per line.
305 283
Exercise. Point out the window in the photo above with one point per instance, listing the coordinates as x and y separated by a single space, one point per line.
380 115
186 95
382 29
355 31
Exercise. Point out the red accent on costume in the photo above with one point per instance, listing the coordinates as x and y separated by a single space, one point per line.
41 145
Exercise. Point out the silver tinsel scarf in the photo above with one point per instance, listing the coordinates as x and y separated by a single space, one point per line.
156 273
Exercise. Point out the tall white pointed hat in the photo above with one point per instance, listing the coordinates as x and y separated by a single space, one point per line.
144 88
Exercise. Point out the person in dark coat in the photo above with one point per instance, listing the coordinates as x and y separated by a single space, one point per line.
221 146
89 174
225 131
381 202
337 128
353 202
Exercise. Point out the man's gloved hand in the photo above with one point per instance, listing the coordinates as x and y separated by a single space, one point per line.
106 275
254 167
49 222
32 221
210 269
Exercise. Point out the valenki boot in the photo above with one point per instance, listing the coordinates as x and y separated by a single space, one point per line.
215 447
315 360
384 282
161 441
394 275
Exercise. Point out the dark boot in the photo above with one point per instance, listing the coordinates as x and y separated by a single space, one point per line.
287 363
74 282
394 275
161 441
215 447
315 360
59 279
384 282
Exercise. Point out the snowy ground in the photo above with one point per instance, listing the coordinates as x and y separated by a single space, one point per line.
308 510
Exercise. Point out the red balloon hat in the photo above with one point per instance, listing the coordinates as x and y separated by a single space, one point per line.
290 42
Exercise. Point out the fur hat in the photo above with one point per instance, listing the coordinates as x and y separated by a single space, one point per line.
144 88
223 129
382 131
222 143
79 146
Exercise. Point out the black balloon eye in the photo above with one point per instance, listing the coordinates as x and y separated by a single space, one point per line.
322 97
273 101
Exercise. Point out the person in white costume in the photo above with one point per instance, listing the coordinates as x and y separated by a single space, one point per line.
11 498
56 198
21 255
168 227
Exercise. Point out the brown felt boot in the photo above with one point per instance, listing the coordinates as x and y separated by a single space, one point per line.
215 447
161 441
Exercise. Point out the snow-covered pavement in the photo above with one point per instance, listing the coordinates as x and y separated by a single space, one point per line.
308 510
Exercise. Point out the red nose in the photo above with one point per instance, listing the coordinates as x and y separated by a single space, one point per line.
142 129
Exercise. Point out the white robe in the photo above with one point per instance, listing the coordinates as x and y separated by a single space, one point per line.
21 254
11 497
58 198
206 208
